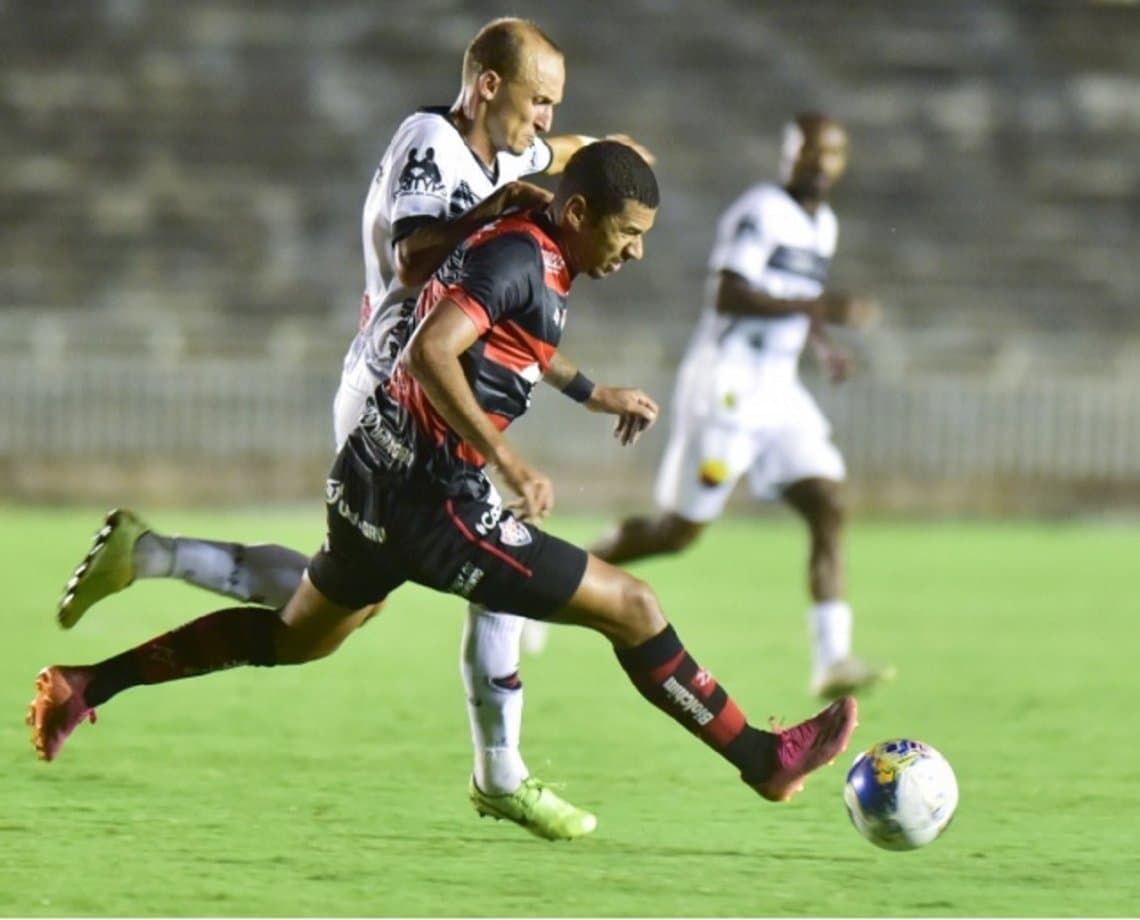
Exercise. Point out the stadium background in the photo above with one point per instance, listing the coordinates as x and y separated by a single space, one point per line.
180 187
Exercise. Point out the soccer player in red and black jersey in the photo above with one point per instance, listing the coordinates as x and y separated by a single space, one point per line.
408 499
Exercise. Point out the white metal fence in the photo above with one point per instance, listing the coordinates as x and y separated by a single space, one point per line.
1077 428
215 414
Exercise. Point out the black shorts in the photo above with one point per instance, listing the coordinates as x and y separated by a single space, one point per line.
383 531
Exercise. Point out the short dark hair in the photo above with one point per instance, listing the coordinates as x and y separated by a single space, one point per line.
607 174
499 46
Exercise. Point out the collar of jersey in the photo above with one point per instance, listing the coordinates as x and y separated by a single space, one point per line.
444 112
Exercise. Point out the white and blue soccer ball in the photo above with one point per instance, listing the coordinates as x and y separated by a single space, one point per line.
901 794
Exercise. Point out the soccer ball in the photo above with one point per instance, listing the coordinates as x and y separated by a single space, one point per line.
901 794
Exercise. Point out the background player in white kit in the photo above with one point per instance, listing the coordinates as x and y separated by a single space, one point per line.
445 173
739 406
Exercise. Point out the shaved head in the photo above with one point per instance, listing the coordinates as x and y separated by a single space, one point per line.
502 46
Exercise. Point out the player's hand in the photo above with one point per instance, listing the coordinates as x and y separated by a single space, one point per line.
629 428
535 491
839 365
518 196
642 152
835 360
635 410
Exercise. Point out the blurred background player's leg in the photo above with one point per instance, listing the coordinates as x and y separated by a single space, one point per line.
814 471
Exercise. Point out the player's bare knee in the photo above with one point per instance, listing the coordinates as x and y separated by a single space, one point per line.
642 616
821 503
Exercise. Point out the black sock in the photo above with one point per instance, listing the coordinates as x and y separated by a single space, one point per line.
666 675
218 641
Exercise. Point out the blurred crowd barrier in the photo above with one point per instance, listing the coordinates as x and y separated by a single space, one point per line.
180 190
173 419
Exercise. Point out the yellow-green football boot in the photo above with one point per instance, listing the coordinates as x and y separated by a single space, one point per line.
108 566
537 808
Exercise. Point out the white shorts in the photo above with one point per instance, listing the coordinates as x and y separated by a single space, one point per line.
708 451
356 384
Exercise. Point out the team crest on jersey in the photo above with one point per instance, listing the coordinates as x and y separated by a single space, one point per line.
746 227
421 173
334 489
513 532
553 263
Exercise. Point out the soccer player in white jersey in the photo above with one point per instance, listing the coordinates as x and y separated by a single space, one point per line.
445 173
739 406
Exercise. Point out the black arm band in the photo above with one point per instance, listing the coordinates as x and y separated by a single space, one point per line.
580 388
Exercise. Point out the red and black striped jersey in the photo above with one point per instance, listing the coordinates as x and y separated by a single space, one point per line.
510 278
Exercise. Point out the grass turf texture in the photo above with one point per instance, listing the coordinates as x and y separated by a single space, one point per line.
339 788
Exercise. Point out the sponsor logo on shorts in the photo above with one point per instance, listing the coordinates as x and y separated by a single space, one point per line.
687 701
334 495
489 519
386 440
469 576
513 532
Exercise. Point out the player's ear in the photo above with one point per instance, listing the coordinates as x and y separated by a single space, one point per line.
488 85
576 211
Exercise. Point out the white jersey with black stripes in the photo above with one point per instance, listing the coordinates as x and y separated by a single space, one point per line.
767 238
428 172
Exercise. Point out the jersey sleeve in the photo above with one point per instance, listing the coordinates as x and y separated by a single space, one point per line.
424 173
498 278
744 239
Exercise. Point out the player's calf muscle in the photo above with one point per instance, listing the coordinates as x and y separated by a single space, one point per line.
623 608
314 627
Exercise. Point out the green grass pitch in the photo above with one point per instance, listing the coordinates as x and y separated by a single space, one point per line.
339 788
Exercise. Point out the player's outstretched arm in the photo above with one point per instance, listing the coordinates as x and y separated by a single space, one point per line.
848 310
423 250
432 358
737 297
564 146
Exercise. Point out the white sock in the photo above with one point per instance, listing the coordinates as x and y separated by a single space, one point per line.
153 555
829 623
489 663
259 574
